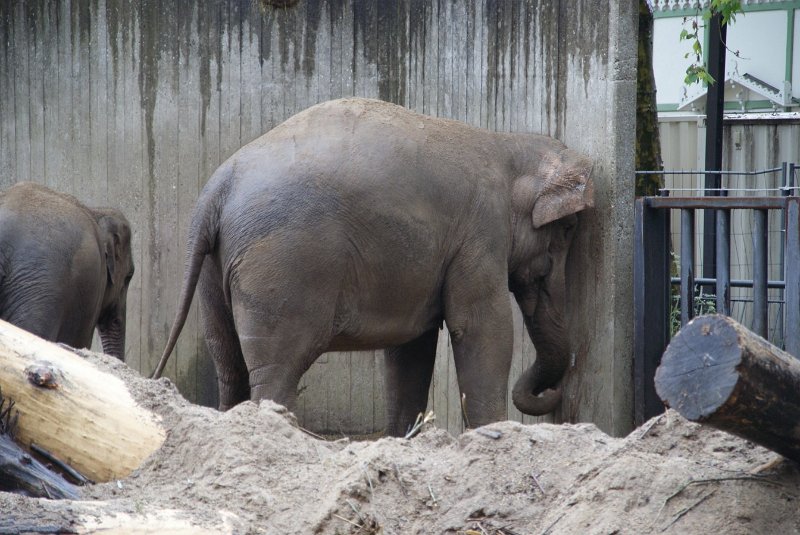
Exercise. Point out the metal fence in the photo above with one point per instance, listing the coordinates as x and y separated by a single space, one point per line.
754 269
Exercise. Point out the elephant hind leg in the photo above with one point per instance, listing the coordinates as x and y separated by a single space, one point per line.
279 348
221 338
408 372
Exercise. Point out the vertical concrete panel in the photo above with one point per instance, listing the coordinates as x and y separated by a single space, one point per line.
8 149
22 104
54 146
596 105
35 89
95 191
189 168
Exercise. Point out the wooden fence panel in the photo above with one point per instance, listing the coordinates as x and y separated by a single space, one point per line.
134 103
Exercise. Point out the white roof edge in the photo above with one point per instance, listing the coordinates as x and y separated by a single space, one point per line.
777 96
675 5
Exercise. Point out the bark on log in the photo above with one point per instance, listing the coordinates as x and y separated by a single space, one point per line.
84 416
717 372
21 473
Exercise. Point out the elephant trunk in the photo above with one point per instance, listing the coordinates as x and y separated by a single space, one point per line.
112 334
536 392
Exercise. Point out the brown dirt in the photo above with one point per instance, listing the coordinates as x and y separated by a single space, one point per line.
252 470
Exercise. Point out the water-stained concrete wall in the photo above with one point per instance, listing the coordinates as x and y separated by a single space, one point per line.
134 104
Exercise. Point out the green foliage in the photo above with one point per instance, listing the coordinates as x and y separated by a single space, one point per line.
697 71
704 303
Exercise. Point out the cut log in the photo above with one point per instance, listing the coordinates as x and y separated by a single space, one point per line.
717 372
84 416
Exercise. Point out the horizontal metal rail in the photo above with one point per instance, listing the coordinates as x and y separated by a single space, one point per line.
735 283
720 172
717 203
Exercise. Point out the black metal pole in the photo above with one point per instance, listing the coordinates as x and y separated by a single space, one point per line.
715 103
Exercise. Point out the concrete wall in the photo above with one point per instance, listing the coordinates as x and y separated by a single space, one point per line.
135 103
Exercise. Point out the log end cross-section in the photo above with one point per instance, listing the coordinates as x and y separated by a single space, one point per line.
717 372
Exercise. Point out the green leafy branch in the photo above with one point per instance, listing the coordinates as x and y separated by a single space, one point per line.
698 71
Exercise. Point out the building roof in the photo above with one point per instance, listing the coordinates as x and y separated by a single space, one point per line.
780 97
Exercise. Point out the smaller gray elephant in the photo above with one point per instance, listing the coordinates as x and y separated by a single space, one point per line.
64 268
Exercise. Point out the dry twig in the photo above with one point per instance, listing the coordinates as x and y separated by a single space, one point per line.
430 490
464 410
311 433
420 421
369 479
8 423
536 480
399 479
340 517
707 481
685 510
70 473
551 526
647 427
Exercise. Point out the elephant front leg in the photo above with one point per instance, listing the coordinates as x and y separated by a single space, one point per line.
408 372
482 338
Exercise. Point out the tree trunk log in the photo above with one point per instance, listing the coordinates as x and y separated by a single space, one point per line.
717 372
82 415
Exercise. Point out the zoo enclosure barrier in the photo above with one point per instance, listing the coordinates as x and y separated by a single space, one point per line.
657 309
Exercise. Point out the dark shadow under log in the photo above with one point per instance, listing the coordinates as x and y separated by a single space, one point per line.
717 372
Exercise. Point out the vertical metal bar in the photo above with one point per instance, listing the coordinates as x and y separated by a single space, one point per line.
792 277
687 265
715 103
651 299
760 229
785 179
724 262
785 192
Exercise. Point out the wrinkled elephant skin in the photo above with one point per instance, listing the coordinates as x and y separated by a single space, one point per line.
358 224
64 268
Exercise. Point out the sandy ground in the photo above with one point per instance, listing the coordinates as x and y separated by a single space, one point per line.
253 470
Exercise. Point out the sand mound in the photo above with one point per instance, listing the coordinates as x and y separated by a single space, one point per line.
253 470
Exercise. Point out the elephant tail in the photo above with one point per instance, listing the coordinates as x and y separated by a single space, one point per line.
201 241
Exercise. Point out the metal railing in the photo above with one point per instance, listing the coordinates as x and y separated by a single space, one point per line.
654 277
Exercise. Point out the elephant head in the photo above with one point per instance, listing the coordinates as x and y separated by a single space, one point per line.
115 243
545 203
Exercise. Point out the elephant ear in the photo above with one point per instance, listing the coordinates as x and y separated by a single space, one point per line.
566 186
111 243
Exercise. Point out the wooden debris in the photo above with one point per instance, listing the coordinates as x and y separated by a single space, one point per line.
718 373
491 433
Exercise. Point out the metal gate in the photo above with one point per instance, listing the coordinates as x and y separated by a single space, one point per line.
658 270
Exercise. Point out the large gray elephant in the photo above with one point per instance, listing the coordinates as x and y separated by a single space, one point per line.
64 268
358 224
